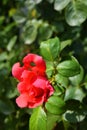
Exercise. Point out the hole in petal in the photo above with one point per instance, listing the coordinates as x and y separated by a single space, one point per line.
32 64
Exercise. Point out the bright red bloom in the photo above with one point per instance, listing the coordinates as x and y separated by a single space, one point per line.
35 63
17 71
34 94
34 88
32 62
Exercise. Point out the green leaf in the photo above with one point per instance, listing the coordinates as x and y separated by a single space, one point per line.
74 116
45 29
19 16
51 120
63 81
75 13
3 56
8 28
37 1
77 79
2 18
50 1
55 105
11 90
69 68
38 120
29 32
83 1
65 43
6 106
60 4
49 69
74 93
11 43
50 49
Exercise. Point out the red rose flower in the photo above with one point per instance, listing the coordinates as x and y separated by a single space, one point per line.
34 94
32 62
34 88
35 63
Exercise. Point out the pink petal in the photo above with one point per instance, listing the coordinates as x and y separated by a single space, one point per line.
22 100
17 71
50 88
22 87
41 83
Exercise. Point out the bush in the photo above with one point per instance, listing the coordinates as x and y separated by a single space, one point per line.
56 30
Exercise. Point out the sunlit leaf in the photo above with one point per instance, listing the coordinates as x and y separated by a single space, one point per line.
38 120
75 14
55 105
11 43
60 4
29 32
65 44
76 80
61 80
50 49
69 68
74 93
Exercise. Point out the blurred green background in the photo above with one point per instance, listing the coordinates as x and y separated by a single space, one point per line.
23 25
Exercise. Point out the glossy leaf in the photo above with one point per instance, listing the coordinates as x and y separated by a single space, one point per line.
29 32
60 4
51 120
83 1
49 69
75 14
76 80
19 16
11 43
74 93
74 116
45 29
3 56
37 1
50 49
63 81
50 1
38 120
69 68
55 105
65 44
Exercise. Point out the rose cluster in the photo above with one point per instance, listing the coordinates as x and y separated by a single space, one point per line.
33 86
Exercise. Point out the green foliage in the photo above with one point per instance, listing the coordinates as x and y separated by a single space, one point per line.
75 14
51 120
57 30
77 79
74 93
38 120
55 105
6 107
69 68
50 49
60 4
